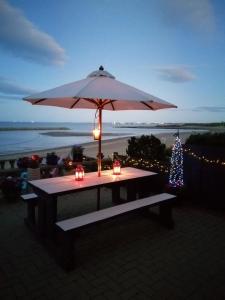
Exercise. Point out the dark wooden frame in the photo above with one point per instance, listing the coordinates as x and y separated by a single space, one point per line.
47 203
66 257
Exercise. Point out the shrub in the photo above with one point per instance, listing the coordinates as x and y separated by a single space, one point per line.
23 162
146 147
207 139
52 159
77 153
29 162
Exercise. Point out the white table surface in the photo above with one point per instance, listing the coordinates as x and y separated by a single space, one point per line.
58 185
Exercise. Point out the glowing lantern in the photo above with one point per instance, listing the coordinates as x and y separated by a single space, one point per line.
35 157
96 134
116 168
79 173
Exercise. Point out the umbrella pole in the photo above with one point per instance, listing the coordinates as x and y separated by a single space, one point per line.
100 141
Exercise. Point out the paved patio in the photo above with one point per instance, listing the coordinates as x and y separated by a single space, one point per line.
128 258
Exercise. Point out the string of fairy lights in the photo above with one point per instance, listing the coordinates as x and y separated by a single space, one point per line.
148 164
176 163
217 162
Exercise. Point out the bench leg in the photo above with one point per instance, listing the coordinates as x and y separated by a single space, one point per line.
67 259
165 215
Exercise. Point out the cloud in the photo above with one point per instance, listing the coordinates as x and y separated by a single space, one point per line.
175 74
20 37
8 87
6 98
199 14
212 109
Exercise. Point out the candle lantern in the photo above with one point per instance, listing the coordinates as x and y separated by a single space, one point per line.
116 167
35 157
79 173
96 134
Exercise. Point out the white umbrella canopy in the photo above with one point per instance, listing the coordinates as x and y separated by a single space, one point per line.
100 90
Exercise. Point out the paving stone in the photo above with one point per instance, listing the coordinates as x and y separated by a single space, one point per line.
130 258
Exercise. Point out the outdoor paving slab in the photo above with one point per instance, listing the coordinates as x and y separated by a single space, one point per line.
131 258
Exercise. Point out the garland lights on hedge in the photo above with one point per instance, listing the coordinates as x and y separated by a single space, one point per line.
148 164
176 167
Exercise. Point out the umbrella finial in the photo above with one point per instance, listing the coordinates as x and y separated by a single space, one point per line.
101 73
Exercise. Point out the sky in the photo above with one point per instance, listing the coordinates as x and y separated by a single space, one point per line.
172 49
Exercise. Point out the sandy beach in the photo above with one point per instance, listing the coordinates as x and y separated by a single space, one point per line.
120 145
108 147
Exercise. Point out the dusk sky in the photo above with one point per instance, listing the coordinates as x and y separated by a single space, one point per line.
172 49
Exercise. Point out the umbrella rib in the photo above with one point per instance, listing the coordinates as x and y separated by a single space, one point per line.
40 100
146 104
75 103
87 99
109 102
104 102
91 100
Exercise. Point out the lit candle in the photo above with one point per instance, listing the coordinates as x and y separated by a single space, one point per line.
96 134
116 168
79 173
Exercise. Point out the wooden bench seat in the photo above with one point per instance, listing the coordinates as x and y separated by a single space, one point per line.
31 201
29 197
69 226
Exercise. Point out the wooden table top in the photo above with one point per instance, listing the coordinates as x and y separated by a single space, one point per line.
65 184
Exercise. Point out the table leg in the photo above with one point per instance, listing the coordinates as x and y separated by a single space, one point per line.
116 194
41 218
47 215
131 191
51 215
98 198
30 220
144 188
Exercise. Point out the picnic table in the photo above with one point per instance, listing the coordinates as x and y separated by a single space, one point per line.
49 189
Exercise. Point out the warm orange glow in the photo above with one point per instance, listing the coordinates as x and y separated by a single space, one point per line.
35 157
116 168
70 163
79 173
96 133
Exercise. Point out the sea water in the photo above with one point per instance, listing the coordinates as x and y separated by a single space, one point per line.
19 141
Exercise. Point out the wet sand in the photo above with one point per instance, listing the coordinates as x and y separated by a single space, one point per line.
108 147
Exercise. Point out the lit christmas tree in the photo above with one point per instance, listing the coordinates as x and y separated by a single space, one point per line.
176 167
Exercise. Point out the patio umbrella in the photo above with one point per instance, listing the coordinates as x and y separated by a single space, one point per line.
100 90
